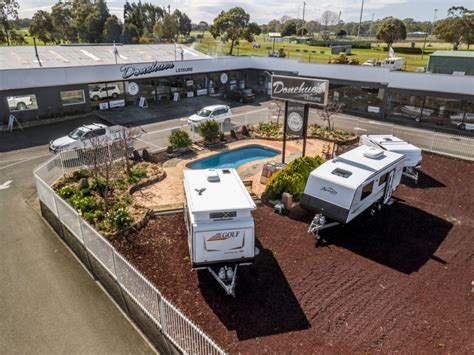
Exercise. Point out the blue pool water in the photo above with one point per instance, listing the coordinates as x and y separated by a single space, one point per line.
234 158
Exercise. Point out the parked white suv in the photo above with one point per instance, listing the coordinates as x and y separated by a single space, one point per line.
19 102
104 92
219 113
81 137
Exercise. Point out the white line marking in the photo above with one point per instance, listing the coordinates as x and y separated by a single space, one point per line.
59 56
22 161
5 185
154 145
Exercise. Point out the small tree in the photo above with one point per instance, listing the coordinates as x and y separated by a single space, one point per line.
391 30
209 130
327 112
126 139
180 140
235 24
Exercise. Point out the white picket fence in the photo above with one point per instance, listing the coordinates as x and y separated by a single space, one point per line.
179 329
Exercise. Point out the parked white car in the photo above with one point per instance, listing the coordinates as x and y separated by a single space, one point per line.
104 92
81 137
19 102
219 113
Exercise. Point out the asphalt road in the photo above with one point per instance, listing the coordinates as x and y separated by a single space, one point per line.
48 302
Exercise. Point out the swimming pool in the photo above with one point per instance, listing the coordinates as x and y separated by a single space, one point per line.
234 158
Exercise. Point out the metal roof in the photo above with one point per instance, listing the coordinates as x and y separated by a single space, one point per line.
462 54
14 57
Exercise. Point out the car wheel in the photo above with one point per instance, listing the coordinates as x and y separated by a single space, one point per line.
114 95
21 106
462 126
95 98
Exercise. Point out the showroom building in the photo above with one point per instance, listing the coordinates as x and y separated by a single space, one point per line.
74 79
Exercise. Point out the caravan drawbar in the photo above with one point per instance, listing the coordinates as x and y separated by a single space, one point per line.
219 222
342 188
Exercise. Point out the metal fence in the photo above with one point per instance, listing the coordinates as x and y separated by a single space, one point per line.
454 145
181 331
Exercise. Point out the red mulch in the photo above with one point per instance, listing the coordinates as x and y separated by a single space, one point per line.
400 281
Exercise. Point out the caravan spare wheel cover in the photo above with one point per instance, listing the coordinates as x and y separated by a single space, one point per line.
373 153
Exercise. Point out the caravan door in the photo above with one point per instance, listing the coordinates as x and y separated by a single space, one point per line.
388 187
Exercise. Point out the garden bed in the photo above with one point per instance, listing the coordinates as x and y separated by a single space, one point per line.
274 131
393 283
110 207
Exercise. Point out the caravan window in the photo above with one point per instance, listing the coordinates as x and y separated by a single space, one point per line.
383 179
367 190
341 172
222 215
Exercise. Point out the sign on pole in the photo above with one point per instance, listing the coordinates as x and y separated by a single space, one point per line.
298 93
303 90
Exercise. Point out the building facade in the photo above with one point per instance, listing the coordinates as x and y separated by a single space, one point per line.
98 82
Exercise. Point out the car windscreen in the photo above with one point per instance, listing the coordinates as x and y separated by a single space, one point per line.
204 112
76 134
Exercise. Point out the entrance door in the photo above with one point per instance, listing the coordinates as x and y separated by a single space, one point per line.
388 187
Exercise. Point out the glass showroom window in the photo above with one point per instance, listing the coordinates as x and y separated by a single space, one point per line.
72 97
407 106
444 111
22 102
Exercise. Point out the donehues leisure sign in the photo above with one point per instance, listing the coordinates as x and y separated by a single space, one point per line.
297 89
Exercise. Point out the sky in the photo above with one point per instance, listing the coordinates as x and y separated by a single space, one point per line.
262 11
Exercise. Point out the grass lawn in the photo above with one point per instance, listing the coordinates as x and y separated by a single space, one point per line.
317 54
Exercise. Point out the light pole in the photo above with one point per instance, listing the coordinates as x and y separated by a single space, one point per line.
371 25
302 24
432 26
360 19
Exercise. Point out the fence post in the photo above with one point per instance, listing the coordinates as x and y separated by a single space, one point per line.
119 284
162 317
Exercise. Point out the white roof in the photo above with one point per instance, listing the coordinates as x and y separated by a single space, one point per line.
12 57
393 143
360 167
213 107
226 194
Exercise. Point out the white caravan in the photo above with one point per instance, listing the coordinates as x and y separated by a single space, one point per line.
342 188
221 229
393 144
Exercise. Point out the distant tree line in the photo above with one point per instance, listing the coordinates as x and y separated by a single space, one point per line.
456 28
89 21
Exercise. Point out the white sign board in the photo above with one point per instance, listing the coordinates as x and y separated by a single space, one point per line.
373 109
176 97
190 94
104 106
117 103
142 103
201 92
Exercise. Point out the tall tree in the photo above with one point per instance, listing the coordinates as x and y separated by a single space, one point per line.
112 29
203 26
235 24
130 33
184 22
42 26
8 16
62 17
457 28
167 29
274 26
391 30
329 18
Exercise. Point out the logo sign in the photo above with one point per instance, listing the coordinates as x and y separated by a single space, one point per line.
303 90
133 88
219 236
329 189
131 70
295 119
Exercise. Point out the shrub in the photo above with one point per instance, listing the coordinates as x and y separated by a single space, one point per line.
180 139
79 174
209 130
292 178
84 204
67 192
98 185
138 173
119 216
269 129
